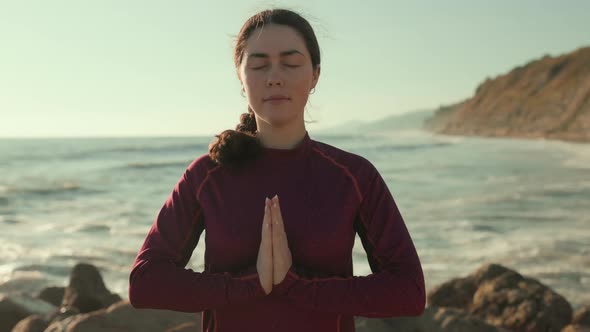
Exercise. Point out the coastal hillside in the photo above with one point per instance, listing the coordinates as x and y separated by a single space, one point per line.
545 98
396 122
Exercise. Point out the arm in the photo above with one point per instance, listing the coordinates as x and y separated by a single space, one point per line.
159 280
396 286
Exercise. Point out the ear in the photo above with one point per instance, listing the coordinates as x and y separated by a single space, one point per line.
316 76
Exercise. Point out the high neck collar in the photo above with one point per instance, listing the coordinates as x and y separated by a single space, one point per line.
297 152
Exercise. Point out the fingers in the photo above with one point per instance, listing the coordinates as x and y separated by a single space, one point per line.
282 259
264 263
266 241
277 218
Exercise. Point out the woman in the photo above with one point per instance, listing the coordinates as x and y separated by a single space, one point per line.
287 265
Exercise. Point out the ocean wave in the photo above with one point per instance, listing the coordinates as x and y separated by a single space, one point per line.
92 228
468 200
9 221
565 189
390 147
49 189
75 257
22 282
43 269
144 148
579 155
159 164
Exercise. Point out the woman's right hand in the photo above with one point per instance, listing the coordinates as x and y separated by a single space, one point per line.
264 264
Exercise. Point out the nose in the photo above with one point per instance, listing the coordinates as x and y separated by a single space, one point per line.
271 83
274 79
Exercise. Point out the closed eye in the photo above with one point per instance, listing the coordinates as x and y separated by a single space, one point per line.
290 66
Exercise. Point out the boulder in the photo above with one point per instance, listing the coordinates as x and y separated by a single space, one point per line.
434 319
16 307
53 295
186 327
33 323
455 293
576 328
86 290
582 316
521 304
121 316
504 298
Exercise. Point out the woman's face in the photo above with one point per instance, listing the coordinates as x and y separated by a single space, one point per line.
276 62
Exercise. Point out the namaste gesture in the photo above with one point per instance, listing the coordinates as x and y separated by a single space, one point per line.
274 256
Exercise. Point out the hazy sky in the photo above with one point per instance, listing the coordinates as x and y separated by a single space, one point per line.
152 68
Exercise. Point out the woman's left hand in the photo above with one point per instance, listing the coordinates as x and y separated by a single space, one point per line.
281 254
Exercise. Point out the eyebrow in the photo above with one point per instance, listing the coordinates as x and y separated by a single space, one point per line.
282 54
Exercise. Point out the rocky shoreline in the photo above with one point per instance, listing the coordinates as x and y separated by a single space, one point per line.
491 299
545 98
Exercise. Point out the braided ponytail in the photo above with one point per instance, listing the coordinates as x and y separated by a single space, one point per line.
234 147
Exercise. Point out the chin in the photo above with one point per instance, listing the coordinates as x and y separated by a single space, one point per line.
274 122
279 120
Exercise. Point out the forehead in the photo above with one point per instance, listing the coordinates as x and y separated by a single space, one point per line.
273 39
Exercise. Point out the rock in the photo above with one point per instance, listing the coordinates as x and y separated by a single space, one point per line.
10 314
62 314
434 319
582 316
364 324
504 298
456 293
15 307
53 295
521 304
121 316
576 328
452 319
86 290
61 325
186 327
489 272
546 98
33 323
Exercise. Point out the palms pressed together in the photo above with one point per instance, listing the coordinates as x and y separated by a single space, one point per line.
274 257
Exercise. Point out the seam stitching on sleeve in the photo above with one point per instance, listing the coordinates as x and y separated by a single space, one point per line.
345 169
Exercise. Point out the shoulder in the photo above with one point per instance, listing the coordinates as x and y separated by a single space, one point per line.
359 167
200 168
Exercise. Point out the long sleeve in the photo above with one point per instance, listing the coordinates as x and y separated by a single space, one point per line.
159 279
396 286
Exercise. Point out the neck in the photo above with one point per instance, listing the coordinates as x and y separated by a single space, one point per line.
286 137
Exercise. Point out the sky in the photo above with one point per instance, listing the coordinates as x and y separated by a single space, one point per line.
119 68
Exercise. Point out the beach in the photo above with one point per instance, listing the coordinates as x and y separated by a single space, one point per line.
466 201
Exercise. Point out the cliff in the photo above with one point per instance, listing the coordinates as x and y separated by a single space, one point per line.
546 98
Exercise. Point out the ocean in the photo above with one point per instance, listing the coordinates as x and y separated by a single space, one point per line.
466 201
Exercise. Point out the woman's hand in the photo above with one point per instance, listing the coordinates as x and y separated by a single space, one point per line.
281 255
264 263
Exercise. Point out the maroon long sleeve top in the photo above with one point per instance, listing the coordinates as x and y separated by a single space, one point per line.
327 196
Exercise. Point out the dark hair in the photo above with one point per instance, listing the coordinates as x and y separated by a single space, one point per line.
233 147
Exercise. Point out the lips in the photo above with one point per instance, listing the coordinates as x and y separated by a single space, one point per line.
276 97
